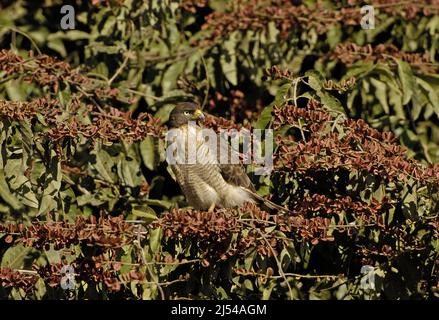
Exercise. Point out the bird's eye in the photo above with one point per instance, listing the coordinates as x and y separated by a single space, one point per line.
186 113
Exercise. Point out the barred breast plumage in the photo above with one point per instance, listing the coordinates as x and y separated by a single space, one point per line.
208 183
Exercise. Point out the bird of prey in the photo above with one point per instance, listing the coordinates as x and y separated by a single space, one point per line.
208 183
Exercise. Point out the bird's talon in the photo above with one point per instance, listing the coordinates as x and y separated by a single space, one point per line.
211 208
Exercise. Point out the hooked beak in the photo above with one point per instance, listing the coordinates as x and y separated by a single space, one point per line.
199 115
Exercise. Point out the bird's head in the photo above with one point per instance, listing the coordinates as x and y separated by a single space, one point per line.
183 113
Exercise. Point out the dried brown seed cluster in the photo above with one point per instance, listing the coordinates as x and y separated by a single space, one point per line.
217 225
341 86
349 53
193 5
406 9
276 73
359 148
107 232
256 14
50 73
216 123
112 126
212 229
319 203
91 273
17 110
13 279
43 69
287 17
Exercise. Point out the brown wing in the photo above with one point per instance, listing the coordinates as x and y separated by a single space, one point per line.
236 175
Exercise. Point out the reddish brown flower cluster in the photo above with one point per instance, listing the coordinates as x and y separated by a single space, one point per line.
49 72
341 86
107 3
193 5
314 113
256 14
216 123
18 110
112 126
349 53
90 272
43 69
213 233
85 270
107 232
406 9
319 203
359 148
212 229
13 279
276 73
217 225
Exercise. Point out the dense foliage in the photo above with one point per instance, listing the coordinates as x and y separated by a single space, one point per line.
83 181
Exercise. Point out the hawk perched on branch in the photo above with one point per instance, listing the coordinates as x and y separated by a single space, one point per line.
208 182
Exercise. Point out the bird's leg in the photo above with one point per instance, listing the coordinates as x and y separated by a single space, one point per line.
212 207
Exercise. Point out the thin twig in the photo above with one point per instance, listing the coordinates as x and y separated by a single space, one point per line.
279 264
120 69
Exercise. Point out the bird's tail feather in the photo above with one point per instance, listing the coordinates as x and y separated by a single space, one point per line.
268 203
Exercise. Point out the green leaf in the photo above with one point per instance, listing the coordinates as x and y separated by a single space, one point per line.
379 28
72 35
40 289
58 46
127 171
52 184
103 165
92 199
266 293
159 203
408 80
359 70
171 75
147 151
315 80
19 183
53 256
432 94
6 194
330 102
381 93
264 118
280 97
14 257
155 237
145 212
15 91
228 59
273 32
